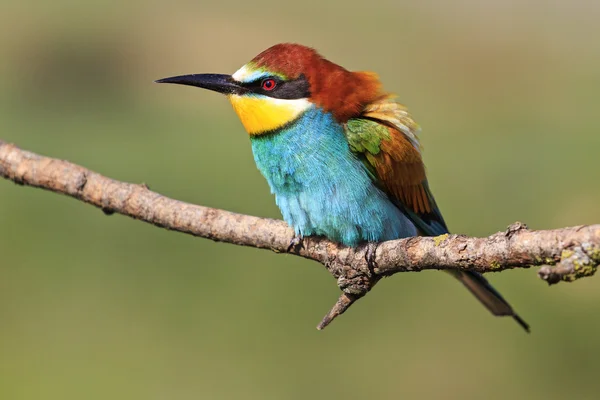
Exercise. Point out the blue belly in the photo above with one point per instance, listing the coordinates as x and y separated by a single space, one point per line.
321 188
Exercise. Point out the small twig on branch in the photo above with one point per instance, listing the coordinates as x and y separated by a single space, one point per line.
343 303
575 252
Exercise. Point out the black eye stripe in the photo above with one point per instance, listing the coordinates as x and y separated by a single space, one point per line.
295 89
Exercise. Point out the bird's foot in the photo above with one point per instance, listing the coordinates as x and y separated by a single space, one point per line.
296 244
370 257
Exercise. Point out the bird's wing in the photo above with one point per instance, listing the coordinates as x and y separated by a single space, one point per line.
385 138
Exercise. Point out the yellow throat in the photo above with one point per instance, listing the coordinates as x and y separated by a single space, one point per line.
264 114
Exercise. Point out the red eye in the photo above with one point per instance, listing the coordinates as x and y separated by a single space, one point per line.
268 84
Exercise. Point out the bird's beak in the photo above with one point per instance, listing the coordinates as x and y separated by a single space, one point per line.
217 82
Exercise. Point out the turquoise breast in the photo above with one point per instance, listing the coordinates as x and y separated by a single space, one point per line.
320 186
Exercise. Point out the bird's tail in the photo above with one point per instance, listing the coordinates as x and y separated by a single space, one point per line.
487 295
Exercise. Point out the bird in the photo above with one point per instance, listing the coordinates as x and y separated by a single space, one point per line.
341 155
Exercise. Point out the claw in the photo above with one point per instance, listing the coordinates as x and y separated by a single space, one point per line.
370 257
295 244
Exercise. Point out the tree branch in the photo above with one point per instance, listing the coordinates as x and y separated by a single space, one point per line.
575 252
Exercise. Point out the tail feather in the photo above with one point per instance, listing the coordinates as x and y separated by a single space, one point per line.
487 295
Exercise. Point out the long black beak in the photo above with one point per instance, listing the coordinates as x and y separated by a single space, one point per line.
216 82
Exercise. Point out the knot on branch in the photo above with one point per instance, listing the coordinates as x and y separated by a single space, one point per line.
575 263
352 278
354 269
354 283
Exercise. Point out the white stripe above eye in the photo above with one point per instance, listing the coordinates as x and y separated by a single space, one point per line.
246 74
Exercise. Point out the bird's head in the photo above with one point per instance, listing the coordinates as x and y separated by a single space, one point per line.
277 86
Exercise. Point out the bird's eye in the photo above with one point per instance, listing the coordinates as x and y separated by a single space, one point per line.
268 84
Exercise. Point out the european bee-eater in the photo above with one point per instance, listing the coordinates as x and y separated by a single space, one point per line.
341 155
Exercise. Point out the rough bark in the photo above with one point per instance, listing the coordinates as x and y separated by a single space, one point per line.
574 252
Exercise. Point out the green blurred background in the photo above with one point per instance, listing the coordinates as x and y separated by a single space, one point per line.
97 307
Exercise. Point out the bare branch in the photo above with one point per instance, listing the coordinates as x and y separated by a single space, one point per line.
575 251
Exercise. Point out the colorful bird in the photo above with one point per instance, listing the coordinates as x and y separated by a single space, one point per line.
341 156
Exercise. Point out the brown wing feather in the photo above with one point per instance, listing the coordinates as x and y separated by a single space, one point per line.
400 168
399 164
